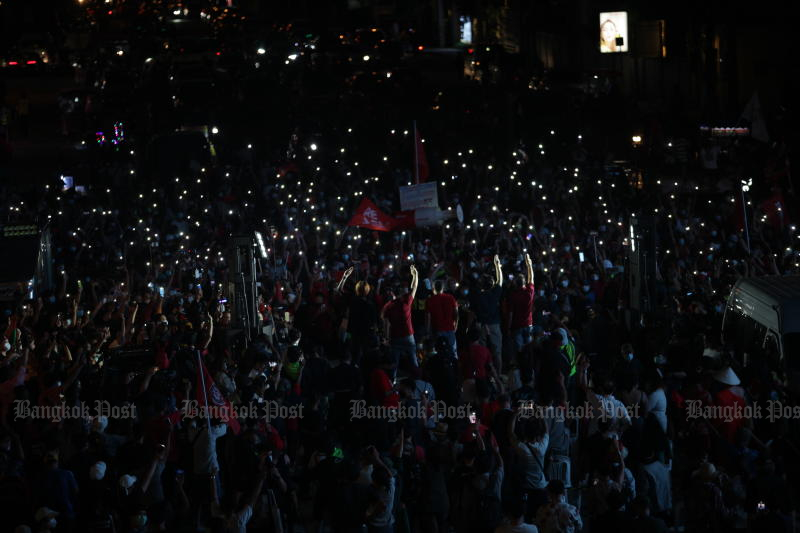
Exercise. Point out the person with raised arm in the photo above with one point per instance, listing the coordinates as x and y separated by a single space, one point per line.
396 316
520 304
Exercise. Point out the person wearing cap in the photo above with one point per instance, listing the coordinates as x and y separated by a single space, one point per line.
731 398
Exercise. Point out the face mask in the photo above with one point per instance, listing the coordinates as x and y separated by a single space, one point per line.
629 356
140 520
586 288
567 248
428 284
710 257
595 277
555 297
718 308
475 275
69 322
52 299
7 346
345 257
465 292
681 241
565 283
381 258
291 297
51 524
472 264
713 233
541 293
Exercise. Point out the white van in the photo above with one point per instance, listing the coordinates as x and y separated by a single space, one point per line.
762 318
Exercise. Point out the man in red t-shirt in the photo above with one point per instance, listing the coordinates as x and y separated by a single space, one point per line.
381 388
396 316
520 305
478 364
441 313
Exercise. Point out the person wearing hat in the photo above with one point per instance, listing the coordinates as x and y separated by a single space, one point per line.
730 398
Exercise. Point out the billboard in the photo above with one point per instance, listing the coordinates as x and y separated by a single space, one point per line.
614 32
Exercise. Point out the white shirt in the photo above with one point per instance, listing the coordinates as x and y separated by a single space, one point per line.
659 485
241 519
205 447
532 457
606 408
386 516
657 404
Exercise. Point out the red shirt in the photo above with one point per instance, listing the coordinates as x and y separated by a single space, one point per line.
379 385
477 359
398 313
520 303
442 308
729 400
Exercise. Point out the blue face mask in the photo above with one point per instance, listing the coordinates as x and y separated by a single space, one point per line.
52 299
466 292
345 257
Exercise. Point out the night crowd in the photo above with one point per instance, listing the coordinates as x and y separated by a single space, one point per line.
509 383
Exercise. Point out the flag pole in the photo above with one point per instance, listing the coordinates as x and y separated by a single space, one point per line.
416 156
201 369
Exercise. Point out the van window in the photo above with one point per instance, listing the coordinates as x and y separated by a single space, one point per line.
743 333
791 350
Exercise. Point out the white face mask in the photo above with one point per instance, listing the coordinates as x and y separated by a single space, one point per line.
51 524
565 283
7 347
629 356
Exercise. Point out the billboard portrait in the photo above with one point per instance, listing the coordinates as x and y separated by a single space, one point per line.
614 32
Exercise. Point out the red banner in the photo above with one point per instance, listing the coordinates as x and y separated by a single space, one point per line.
217 403
369 216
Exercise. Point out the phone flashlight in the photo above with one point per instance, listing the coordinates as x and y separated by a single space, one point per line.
581 257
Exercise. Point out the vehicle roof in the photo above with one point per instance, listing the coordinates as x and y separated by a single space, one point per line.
781 293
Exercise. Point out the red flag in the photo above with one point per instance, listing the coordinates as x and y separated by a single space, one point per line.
422 160
369 216
218 405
